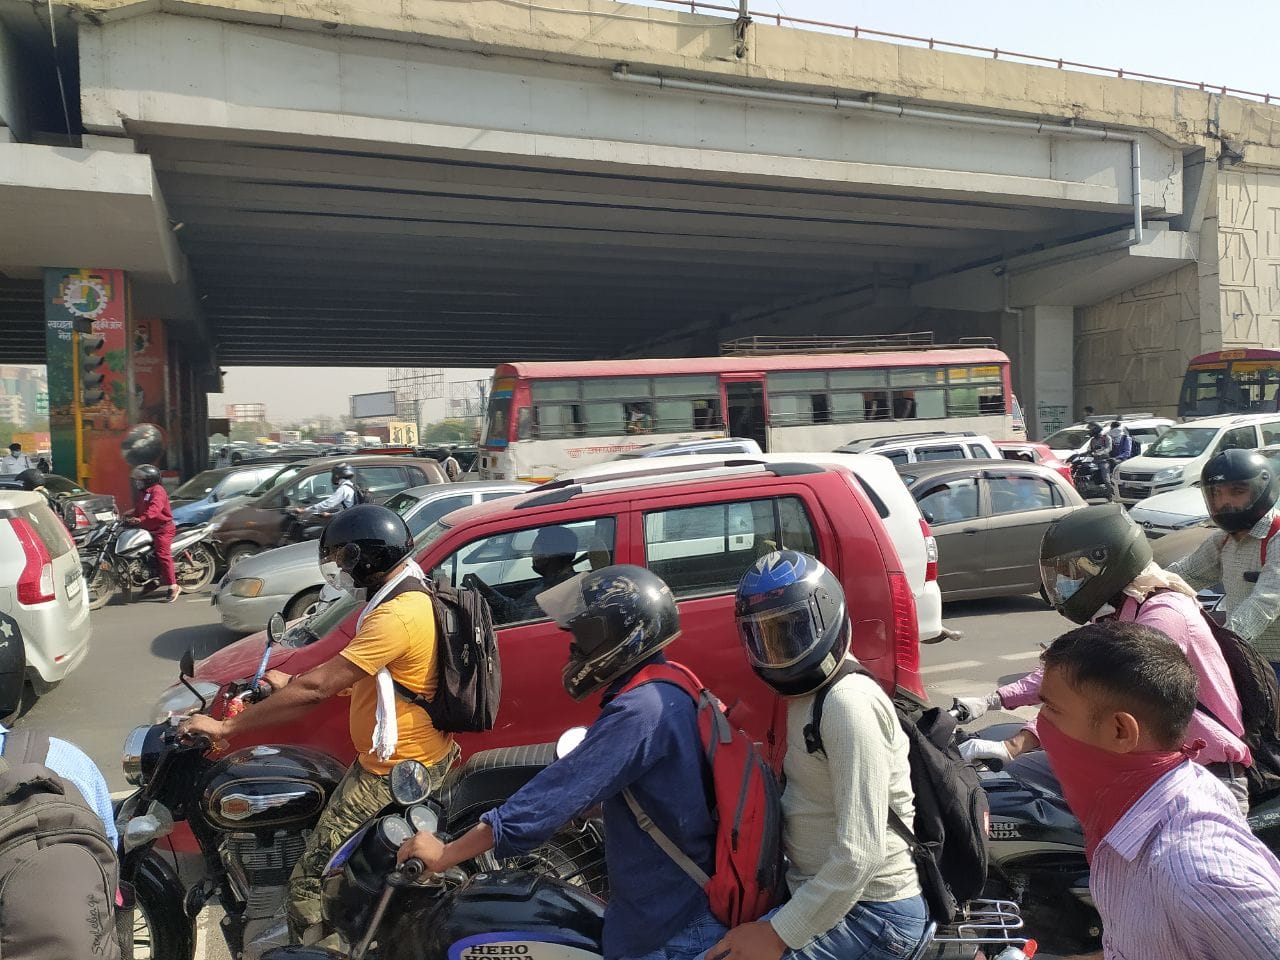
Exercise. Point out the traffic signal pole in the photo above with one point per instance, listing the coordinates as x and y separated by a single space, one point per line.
77 408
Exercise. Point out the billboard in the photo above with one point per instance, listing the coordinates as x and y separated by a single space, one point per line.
367 405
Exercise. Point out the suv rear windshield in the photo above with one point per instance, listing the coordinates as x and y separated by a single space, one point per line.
49 529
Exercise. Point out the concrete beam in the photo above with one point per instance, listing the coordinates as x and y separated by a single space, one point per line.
1075 274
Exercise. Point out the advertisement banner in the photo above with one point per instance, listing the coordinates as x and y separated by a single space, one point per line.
150 375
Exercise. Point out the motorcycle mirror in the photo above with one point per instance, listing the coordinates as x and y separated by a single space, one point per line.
569 741
187 665
410 782
275 628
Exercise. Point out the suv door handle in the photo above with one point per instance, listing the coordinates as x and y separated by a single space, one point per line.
970 531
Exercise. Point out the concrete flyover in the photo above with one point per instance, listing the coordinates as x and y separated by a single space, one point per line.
426 181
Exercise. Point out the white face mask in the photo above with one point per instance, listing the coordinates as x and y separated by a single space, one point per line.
339 579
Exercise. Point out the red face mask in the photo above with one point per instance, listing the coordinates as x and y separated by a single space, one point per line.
1100 786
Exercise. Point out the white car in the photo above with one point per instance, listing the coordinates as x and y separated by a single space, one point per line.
916 547
1179 509
1177 458
1074 439
927 447
44 606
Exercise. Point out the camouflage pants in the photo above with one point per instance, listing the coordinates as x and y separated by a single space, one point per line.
359 796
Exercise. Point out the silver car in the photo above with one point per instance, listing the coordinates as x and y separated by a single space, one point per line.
287 579
44 606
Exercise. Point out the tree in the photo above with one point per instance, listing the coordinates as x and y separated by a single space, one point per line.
446 431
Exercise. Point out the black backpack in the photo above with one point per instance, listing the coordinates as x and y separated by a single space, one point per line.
948 840
58 872
469 670
1259 693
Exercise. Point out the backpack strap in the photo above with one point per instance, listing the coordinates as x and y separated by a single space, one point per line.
813 729
408 585
669 672
1271 532
25 746
667 845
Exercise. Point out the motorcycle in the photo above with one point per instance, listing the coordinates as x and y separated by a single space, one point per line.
1087 477
251 810
1036 847
117 558
473 911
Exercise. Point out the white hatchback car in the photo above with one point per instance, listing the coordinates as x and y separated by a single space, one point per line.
44 606
911 537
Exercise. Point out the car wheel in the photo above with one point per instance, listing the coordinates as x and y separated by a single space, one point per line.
300 604
240 551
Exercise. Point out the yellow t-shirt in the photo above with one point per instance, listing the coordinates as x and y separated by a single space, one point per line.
400 634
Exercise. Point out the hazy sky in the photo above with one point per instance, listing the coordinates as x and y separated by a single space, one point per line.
1232 45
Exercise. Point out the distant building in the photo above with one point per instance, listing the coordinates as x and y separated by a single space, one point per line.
13 410
247 412
28 383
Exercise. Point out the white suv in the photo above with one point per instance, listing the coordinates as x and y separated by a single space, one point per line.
911 536
44 606
1142 427
1176 459
924 447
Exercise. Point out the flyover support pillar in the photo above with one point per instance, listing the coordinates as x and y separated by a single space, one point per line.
1040 342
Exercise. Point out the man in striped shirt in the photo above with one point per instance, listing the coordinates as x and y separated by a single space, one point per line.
1175 872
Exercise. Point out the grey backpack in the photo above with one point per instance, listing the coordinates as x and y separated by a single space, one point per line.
58 872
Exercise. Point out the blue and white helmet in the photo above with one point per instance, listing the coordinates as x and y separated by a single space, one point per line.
793 621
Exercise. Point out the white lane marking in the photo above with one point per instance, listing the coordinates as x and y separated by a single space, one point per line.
948 667
204 600
1024 655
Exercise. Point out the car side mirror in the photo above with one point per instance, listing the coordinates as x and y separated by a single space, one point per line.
928 517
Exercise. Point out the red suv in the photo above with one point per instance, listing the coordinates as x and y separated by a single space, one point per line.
699 532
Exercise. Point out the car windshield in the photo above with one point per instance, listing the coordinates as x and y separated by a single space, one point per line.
1067 439
1178 442
198 486
276 479
61 486
401 503
321 624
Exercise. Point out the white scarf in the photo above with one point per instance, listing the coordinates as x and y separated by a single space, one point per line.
385 732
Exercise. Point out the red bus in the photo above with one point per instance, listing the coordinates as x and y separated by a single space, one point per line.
1231 381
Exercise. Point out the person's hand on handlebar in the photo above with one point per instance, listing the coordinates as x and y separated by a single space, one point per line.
426 847
985 750
976 707
275 680
201 725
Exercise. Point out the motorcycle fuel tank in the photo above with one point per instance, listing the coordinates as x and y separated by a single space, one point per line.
132 543
268 787
507 915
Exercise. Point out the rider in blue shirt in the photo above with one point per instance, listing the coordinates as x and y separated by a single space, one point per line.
647 740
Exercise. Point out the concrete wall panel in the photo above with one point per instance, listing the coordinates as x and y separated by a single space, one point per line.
1249 258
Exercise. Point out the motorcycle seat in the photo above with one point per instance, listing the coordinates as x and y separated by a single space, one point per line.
488 778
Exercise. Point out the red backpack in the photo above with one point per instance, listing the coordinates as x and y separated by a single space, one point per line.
747 877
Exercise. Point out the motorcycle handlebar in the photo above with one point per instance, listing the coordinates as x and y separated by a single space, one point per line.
412 869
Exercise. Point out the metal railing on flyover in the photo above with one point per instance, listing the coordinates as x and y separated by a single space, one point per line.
932 43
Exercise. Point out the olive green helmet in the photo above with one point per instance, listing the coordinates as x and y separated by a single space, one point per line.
1088 557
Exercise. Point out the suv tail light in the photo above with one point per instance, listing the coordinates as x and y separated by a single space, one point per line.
906 630
930 552
35 583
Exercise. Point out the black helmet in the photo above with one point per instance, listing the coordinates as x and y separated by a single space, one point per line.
340 472
30 479
144 476
793 621
1095 429
1088 557
1239 487
361 545
619 616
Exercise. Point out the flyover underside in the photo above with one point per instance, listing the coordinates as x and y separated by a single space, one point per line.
318 256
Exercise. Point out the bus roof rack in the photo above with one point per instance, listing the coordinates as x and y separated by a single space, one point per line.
876 343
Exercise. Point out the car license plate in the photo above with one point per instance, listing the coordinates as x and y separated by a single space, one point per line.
73 584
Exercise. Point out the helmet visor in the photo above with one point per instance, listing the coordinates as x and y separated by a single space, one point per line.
566 604
1063 576
1233 503
784 636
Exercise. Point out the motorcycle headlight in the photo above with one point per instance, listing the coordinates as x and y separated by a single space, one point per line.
245 587
1173 473
178 701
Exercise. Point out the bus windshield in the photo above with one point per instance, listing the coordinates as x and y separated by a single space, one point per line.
1237 386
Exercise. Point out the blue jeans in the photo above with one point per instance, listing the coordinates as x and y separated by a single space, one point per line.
703 932
870 931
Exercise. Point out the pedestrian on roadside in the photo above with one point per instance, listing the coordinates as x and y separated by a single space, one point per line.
1240 491
15 461
1099 558
854 888
152 513
452 469
1175 872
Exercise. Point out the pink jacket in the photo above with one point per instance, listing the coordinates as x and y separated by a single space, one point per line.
1179 617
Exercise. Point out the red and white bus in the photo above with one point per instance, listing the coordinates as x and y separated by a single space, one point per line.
1231 381
545 418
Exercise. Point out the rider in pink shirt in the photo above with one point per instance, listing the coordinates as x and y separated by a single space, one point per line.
1098 557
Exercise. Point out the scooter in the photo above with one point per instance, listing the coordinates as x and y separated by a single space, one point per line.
1036 847
472 912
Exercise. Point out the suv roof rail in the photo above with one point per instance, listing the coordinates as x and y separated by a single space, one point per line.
904 437
645 474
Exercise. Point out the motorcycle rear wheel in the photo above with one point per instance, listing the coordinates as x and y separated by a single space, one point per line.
195 569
